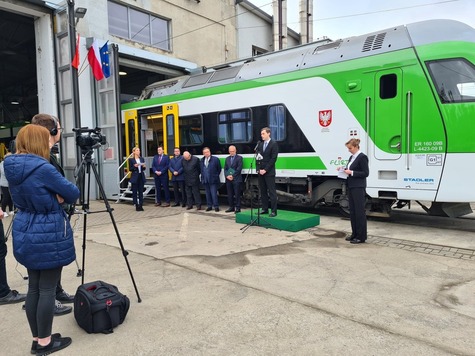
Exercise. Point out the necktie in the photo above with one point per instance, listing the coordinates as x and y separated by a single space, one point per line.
265 145
159 159
206 162
232 160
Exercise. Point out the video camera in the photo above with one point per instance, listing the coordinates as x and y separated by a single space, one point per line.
87 138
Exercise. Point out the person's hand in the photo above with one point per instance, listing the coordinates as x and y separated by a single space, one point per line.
158 173
230 177
262 172
60 199
136 165
347 171
175 173
1 214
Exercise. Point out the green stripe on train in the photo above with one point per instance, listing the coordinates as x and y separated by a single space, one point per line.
304 163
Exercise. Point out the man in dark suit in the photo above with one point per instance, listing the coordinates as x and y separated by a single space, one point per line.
160 173
357 170
267 152
178 179
210 171
232 171
191 171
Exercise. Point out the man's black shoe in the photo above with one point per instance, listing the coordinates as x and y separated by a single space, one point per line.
183 205
209 208
176 204
357 241
189 207
198 207
228 210
263 212
64 297
349 238
60 309
216 209
237 211
56 344
12 298
273 214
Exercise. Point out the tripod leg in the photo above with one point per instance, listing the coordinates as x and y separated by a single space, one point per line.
109 210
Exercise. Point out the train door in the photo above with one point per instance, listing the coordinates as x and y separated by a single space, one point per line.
160 128
388 115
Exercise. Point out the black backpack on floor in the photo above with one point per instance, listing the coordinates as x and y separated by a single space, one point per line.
99 307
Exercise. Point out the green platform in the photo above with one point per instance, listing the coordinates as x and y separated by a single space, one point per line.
285 220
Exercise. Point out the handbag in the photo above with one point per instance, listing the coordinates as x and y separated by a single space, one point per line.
99 307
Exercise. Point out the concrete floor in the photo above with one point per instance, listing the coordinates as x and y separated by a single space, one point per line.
209 289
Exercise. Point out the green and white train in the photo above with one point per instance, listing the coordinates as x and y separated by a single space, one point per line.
408 93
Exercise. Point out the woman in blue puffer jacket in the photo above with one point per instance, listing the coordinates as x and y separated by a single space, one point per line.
42 236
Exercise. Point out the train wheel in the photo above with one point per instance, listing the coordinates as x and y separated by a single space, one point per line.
343 204
250 197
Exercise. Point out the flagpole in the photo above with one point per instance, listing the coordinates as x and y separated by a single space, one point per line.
74 73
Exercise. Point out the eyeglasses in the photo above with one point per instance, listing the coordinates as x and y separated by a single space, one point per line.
61 130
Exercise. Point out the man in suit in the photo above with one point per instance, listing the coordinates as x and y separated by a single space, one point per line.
267 152
160 166
357 170
232 171
178 179
210 171
191 171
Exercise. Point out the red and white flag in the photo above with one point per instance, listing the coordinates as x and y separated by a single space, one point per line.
94 58
75 62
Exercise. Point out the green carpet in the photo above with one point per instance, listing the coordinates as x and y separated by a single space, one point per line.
285 220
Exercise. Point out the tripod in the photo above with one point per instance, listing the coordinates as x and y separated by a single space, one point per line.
257 220
83 170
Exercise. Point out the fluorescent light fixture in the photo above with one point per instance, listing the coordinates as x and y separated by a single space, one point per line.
122 73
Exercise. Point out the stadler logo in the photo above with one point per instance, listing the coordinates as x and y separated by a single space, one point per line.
419 180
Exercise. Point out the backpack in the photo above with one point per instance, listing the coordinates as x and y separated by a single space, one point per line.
99 307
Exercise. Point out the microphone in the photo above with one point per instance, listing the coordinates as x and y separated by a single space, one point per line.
257 145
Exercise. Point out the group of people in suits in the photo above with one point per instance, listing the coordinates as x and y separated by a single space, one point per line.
188 172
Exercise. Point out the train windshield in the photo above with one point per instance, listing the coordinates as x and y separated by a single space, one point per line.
454 79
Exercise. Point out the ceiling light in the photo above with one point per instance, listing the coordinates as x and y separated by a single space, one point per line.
15 102
122 73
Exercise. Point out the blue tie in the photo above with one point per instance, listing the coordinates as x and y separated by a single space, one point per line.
232 160
265 145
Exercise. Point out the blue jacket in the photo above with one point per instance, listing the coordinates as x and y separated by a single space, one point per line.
160 166
42 235
176 165
210 174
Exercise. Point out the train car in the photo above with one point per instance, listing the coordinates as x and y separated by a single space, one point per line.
407 92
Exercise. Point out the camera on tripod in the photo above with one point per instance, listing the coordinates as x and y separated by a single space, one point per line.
88 139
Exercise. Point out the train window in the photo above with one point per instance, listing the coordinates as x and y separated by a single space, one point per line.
235 126
276 122
191 130
388 86
454 79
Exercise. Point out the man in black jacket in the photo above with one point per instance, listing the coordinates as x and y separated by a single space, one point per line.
267 152
191 171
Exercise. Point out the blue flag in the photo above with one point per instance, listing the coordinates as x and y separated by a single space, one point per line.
104 51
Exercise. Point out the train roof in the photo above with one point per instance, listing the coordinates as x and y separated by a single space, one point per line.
316 54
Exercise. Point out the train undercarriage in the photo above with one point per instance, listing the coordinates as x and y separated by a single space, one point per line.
315 192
